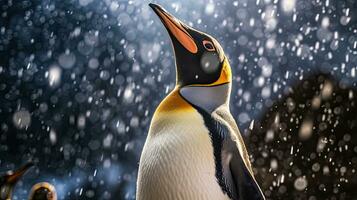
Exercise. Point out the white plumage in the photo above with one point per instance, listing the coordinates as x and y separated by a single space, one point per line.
177 162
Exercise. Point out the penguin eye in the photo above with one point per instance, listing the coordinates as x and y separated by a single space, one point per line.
208 45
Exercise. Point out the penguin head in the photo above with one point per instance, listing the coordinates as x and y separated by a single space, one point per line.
43 191
200 60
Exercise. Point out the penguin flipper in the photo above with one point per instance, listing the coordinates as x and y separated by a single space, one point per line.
237 170
233 170
245 186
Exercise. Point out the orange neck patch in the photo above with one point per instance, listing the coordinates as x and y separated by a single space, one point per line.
226 74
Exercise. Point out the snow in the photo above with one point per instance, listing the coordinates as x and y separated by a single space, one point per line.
300 183
80 81
54 75
67 59
209 10
21 119
288 5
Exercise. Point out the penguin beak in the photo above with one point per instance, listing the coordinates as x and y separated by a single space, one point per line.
176 28
13 178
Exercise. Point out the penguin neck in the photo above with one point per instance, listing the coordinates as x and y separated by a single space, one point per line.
208 98
174 103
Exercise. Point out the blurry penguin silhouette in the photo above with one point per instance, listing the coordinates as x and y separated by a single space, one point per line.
8 181
194 149
43 191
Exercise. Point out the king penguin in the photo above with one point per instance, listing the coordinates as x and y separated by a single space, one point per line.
8 181
43 191
194 150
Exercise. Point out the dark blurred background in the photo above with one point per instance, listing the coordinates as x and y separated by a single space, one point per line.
80 80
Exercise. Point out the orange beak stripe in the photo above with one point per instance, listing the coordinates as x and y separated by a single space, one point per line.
175 27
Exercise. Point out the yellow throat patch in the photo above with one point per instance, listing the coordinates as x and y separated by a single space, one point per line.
174 102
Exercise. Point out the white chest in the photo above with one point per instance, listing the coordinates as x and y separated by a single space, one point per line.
177 162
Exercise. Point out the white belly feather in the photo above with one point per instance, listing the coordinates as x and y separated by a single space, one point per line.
177 162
